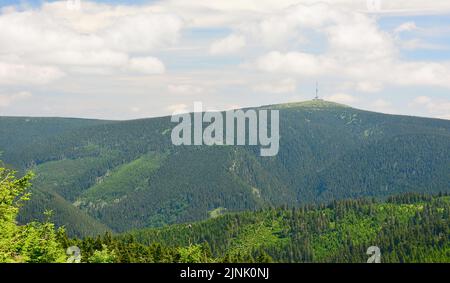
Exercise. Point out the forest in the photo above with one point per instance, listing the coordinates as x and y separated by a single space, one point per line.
407 228
114 176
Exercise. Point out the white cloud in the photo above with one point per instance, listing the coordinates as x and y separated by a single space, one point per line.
228 45
98 36
7 99
143 32
418 73
231 12
288 26
295 62
147 65
343 31
406 27
283 86
101 50
356 38
27 74
341 98
357 51
416 43
87 58
369 86
438 108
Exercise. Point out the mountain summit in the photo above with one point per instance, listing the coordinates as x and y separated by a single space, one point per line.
315 103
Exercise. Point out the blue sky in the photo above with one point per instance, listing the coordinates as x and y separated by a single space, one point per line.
133 59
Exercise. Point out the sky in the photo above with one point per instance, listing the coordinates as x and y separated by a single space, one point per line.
123 59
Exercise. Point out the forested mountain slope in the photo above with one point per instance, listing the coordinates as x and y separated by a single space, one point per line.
406 228
127 174
19 132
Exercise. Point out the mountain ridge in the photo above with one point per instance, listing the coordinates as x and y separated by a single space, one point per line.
313 103
335 153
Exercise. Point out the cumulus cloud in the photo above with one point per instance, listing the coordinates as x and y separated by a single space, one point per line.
96 36
11 74
344 32
280 43
295 62
143 32
357 51
228 45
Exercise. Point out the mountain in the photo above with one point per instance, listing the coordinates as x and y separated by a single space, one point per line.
121 175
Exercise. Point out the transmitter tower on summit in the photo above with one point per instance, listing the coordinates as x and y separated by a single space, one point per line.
317 91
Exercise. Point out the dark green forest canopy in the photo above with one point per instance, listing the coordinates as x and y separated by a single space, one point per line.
406 228
115 176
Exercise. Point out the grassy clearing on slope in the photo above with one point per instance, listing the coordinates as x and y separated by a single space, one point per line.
128 177
69 177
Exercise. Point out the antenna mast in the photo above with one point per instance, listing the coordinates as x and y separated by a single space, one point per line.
317 91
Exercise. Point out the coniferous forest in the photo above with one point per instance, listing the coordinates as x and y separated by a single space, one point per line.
407 228
344 180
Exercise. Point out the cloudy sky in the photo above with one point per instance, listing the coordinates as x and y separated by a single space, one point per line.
132 59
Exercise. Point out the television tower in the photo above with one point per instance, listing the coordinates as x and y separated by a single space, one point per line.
317 91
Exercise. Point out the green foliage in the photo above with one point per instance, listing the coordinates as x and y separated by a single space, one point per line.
38 242
192 254
12 194
34 242
127 178
407 228
103 256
